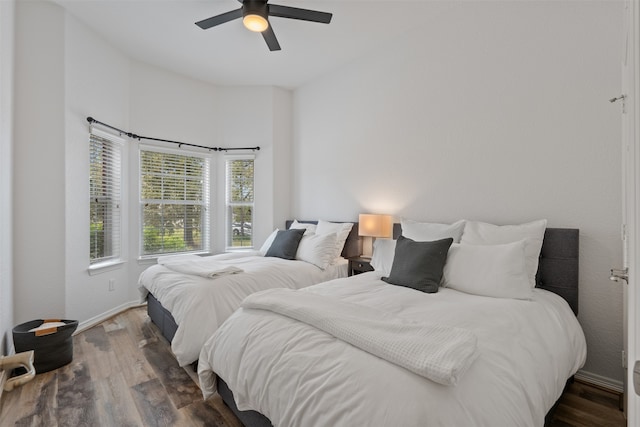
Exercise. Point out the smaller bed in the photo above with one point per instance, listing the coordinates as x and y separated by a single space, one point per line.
188 308
295 374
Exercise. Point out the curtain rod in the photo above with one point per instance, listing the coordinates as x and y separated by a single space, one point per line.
138 137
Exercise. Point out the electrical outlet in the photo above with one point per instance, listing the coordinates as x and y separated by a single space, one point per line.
112 284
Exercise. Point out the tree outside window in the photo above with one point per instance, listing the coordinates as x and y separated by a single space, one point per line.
105 157
174 202
240 201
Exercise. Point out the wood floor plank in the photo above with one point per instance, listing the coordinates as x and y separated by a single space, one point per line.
141 328
34 406
98 353
595 394
154 405
76 396
583 405
210 413
115 404
179 386
133 364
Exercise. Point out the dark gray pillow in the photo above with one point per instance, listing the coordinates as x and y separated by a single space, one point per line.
285 245
419 265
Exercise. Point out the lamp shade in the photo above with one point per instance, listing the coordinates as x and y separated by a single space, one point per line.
374 225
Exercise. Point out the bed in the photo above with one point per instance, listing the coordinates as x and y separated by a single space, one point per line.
188 308
293 374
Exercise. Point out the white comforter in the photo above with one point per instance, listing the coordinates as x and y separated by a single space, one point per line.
297 375
438 352
199 305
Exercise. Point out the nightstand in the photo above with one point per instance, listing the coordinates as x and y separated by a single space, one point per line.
359 265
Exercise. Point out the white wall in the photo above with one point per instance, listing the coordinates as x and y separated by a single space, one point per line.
258 116
39 163
96 83
492 111
7 15
64 74
281 160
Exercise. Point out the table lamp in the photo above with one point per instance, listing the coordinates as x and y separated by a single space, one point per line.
373 226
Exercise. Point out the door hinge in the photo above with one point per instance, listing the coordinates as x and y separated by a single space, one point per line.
618 274
624 359
622 98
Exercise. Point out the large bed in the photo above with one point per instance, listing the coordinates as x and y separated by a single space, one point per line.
188 308
271 368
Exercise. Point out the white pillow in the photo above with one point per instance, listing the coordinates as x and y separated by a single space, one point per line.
384 250
310 228
430 231
481 233
267 243
317 249
342 229
489 270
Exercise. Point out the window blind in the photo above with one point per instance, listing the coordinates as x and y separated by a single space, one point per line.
239 200
174 202
105 157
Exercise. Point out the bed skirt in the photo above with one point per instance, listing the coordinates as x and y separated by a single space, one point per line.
161 317
256 419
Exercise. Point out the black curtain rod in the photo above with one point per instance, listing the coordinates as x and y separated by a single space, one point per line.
180 144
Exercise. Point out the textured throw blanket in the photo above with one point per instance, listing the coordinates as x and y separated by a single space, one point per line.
198 266
438 352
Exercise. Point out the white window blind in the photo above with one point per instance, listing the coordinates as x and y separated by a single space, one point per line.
239 200
105 157
174 202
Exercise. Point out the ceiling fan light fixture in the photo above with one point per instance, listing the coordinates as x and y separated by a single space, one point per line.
254 22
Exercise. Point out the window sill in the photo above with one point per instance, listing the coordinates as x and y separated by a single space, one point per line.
153 259
104 266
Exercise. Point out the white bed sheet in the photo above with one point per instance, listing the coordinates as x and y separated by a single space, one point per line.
297 375
199 305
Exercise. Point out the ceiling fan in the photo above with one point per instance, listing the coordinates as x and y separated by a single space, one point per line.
255 13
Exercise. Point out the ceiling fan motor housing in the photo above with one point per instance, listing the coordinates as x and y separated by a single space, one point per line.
255 7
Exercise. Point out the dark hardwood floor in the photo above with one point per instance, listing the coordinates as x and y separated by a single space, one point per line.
123 374
586 405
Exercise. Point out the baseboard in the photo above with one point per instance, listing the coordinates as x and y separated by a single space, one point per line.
4 376
600 381
89 323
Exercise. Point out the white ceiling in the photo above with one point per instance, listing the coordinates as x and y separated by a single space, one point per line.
163 33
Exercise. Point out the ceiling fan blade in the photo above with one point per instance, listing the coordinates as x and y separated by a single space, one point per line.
270 38
219 19
297 13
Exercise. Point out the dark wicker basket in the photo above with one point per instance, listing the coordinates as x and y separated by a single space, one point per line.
52 347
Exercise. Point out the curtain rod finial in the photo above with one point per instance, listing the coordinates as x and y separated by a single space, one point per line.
90 119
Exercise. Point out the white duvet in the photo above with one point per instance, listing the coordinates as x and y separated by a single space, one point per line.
199 305
297 375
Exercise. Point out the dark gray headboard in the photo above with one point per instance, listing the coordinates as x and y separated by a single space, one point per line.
352 246
558 266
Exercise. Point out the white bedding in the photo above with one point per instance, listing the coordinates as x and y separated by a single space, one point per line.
199 305
435 351
297 375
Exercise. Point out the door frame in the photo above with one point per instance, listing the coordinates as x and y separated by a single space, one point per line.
631 195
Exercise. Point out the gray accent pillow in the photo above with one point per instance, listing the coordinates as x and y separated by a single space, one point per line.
285 245
419 265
